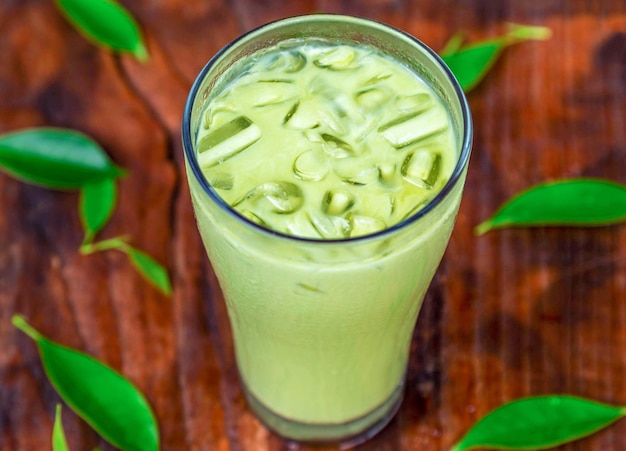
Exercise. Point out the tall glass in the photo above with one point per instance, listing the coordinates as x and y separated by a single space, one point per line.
322 328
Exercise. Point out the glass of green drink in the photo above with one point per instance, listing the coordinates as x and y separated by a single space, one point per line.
326 157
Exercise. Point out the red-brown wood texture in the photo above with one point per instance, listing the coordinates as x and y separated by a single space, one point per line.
512 313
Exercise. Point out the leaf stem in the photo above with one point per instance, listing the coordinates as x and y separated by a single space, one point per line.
87 240
483 227
20 322
118 242
453 45
141 53
59 442
517 33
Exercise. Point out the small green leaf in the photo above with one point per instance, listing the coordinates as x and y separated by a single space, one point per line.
570 202
96 204
106 23
470 64
55 158
58 435
540 422
99 395
150 269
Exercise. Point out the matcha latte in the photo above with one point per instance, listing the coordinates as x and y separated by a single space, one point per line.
326 158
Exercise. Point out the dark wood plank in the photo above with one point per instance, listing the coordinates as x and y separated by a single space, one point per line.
509 314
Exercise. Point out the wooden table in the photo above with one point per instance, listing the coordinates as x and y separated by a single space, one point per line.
511 313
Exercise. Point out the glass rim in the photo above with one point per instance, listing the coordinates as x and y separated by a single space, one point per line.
466 141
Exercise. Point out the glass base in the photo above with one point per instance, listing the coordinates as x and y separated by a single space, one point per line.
346 434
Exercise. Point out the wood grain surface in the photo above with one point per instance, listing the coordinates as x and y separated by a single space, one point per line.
511 313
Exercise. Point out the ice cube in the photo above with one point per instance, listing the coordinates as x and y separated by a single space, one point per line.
376 78
218 114
365 225
363 177
295 61
310 114
387 173
313 136
284 197
221 180
338 58
227 140
311 165
270 92
371 72
300 225
303 115
329 227
414 103
372 98
328 106
337 202
340 104
253 217
335 146
288 61
413 127
421 168
330 119
356 171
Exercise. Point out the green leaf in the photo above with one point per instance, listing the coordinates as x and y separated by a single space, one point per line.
106 23
569 202
102 397
540 422
96 204
470 64
55 158
58 435
150 269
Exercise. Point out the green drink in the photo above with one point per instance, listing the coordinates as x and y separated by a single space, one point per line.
326 157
